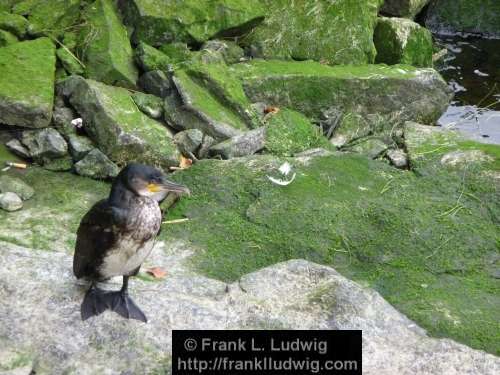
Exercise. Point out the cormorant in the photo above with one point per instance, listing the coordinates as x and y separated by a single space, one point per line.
117 234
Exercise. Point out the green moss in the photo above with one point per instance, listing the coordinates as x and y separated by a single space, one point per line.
370 98
110 111
53 18
348 38
149 58
49 220
157 22
289 132
27 83
206 102
104 46
14 23
398 233
404 8
401 41
69 62
7 38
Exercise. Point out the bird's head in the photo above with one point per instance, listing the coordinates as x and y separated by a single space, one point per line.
149 182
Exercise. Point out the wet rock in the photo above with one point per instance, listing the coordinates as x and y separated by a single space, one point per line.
27 83
149 104
240 145
230 51
62 117
16 185
469 16
79 146
117 127
7 38
156 83
348 40
10 202
192 21
96 165
176 52
69 62
291 295
398 158
105 46
13 23
44 145
403 8
16 147
373 99
402 41
53 18
371 147
188 141
461 157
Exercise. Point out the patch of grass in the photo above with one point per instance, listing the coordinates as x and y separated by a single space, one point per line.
403 238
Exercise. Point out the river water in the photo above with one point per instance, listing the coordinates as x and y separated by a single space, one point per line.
472 69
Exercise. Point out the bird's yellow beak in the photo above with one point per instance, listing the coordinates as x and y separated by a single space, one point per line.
154 188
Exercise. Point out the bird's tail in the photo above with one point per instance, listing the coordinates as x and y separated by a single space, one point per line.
97 301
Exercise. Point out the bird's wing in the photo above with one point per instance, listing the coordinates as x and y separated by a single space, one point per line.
97 233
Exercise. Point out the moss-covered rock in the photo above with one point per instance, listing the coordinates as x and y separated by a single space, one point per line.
14 23
403 8
390 229
192 21
69 62
197 104
53 18
402 41
472 16
117 126
430 148
149 104
104 46
149 58
230 51
96 165
7 38
16 185
335 32
289 132
369 98
27 83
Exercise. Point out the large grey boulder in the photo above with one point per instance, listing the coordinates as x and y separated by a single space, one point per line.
117 127
244 144
40 318
366 99
27 83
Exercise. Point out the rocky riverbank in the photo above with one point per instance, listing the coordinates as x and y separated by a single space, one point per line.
306 135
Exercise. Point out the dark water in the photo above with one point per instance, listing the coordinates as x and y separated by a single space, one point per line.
472 69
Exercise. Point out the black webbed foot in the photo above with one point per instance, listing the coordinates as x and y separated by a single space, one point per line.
97 301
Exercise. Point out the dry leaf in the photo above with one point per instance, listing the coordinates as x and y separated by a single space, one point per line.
271 109
185 162
157 272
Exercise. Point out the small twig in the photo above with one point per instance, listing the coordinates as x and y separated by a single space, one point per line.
177 221
71 53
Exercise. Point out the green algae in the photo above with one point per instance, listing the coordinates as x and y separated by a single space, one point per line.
289 132
390 229
157 22
14 23
347 38
27 83
53 18
7 38
401 41
104 46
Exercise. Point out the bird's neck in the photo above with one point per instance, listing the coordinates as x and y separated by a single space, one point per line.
120 196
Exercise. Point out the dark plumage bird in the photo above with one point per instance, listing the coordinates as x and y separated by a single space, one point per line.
117 235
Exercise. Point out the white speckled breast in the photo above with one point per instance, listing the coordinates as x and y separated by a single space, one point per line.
136 242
